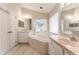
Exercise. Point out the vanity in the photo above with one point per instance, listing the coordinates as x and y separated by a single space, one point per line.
63 46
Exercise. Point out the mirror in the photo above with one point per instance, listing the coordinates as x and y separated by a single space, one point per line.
21 23
70 20
28 24
24 24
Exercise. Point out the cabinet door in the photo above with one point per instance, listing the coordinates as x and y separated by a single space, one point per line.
58 49
23 37
5 28
54 49
50 49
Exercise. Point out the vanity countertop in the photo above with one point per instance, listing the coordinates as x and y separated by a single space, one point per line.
66 43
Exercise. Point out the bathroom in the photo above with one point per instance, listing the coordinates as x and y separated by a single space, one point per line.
39 29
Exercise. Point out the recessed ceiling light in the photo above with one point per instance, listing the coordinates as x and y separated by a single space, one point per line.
41 7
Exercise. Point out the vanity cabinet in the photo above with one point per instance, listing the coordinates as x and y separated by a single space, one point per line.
23 37
55 49
68 53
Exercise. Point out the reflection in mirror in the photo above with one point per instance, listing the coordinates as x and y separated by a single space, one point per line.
24 24
70 20
21 23
67 17
27 24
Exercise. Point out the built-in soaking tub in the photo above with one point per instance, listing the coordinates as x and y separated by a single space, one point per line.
40 42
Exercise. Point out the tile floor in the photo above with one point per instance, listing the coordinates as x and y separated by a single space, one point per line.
23 49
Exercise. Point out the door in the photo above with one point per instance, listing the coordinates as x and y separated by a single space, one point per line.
5 28
13 34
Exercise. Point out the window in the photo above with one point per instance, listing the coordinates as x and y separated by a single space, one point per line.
40 25
53 24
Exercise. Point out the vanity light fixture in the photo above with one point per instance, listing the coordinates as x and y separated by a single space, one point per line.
27 16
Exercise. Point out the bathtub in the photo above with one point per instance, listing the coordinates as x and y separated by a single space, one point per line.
40 42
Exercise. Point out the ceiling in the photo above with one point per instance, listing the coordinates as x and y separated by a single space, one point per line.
47 7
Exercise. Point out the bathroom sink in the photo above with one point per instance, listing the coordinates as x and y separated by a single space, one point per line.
69 42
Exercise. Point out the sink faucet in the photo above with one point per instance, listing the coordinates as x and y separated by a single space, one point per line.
73 38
